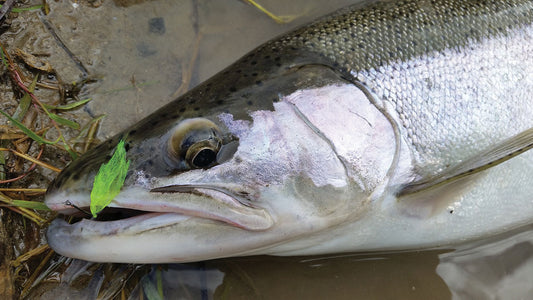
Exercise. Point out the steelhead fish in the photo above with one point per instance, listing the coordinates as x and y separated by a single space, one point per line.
389 125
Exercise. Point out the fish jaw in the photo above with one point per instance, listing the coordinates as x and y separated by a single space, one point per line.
195 201
170 226
148 238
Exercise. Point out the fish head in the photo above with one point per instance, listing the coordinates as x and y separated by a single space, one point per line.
234 167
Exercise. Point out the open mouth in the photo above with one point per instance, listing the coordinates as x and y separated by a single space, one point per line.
106 215
185 201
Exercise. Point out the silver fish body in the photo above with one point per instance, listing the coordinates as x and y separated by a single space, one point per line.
393 125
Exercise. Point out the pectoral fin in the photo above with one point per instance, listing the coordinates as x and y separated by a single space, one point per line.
498 154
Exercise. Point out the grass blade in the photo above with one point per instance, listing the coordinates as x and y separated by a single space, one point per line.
28 131
68 106
63 121
29 204
21 9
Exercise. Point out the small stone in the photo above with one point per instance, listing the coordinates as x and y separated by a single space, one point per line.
157 26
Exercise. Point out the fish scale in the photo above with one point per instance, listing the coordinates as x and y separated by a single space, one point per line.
423 64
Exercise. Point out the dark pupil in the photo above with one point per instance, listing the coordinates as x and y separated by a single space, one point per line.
204 158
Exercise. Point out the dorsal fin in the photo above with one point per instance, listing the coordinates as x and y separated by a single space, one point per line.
498 154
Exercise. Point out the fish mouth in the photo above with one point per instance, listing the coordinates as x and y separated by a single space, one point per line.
166 205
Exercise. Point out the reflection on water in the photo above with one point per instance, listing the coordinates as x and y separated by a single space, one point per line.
180 281
499 268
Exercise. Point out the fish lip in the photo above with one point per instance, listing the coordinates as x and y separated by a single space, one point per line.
244 214
212 202
105 228
198 188
66 239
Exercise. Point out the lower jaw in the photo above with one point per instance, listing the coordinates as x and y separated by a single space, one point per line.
140 221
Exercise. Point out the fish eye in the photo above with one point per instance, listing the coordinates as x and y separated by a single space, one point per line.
195 144
202 154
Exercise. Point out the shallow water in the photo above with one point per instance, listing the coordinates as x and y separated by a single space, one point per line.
143 54
496 268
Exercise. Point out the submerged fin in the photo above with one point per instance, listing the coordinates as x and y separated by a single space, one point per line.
501 152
